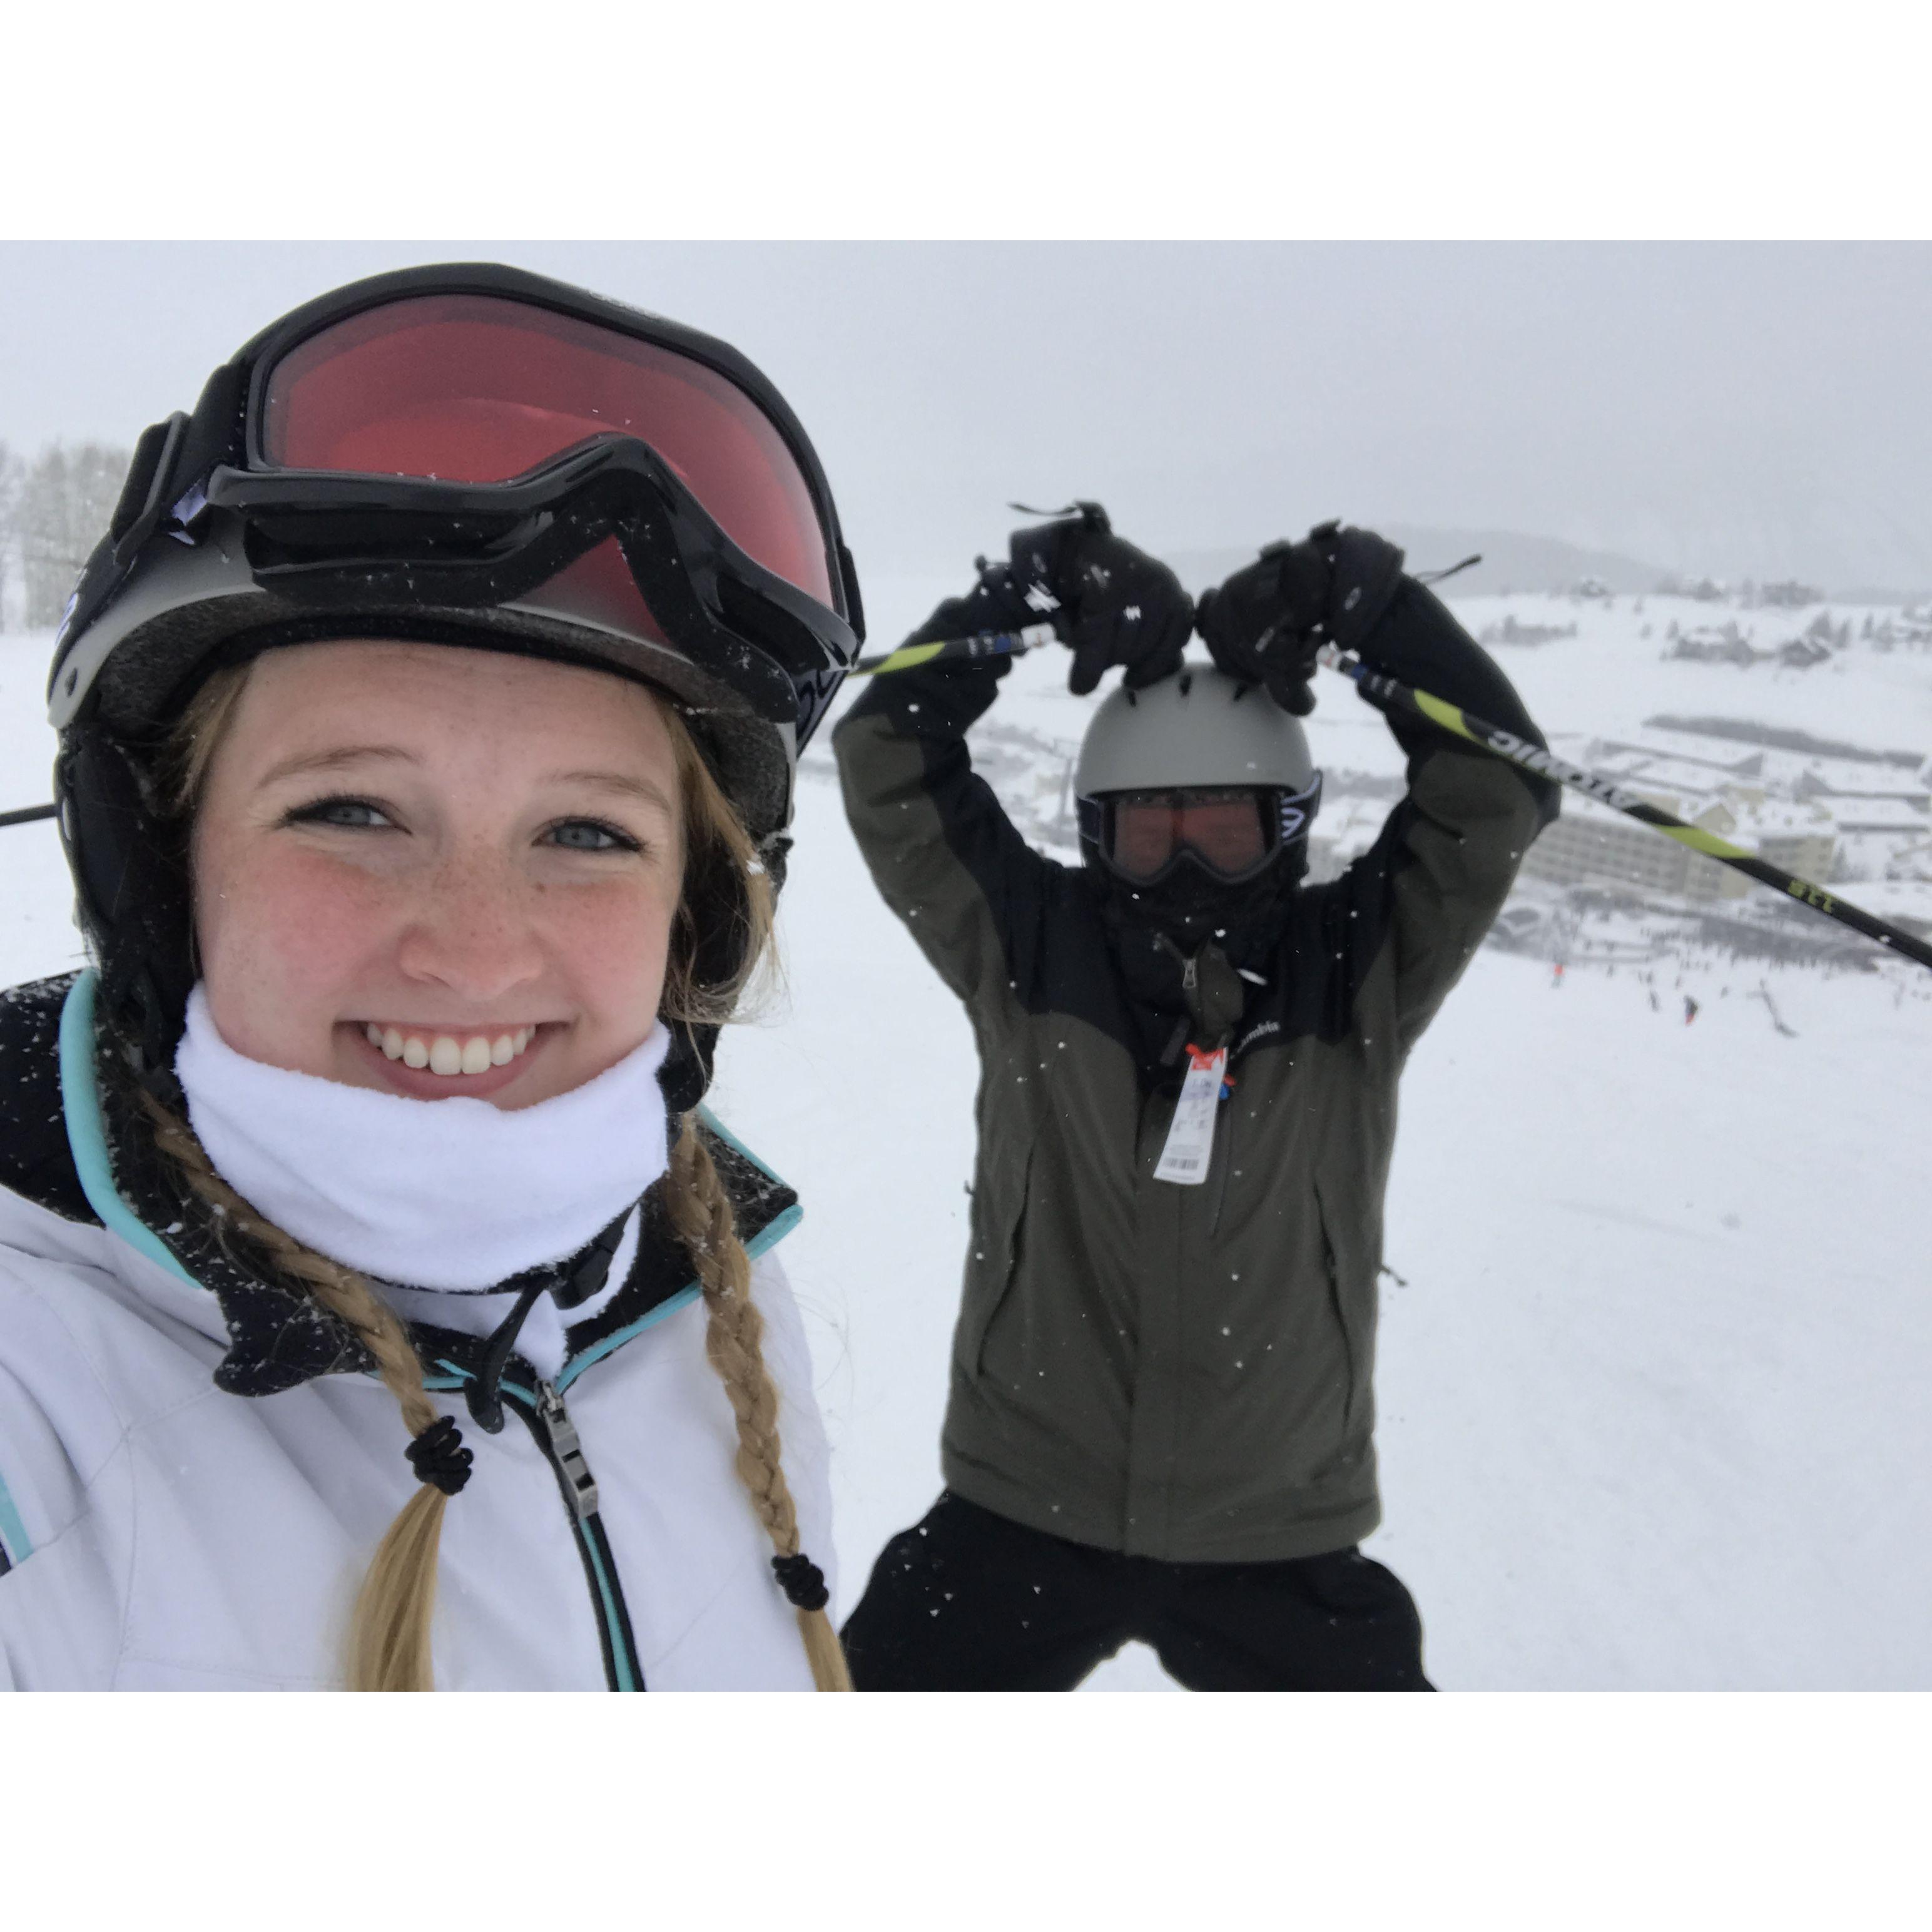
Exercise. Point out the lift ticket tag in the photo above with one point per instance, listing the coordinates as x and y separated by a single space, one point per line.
1190 1140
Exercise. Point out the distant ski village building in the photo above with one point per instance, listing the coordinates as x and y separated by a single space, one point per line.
1591 845
1818 810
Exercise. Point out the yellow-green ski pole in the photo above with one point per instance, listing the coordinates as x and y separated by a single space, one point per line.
1506 744
981 644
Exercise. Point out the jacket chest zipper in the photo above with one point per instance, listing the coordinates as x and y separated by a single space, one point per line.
555 1435
566 1451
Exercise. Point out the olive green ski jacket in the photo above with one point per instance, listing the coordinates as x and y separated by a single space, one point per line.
1181 1373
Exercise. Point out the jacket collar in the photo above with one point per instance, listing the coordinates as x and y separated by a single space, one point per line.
278 1335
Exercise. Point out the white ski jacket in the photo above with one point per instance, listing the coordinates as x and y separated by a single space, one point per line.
161 1530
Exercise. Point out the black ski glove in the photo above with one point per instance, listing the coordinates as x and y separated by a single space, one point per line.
994 603
1267 623
1115 605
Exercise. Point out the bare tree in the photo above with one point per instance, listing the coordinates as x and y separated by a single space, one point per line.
67 498
10 534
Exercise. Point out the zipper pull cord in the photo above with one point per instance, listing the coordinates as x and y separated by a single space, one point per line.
571 1284
483 1395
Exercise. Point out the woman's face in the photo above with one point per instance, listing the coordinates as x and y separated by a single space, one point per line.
434 871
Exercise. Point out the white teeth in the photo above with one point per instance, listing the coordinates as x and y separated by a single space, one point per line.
445 1054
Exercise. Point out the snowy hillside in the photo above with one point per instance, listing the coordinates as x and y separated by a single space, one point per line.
1657 1328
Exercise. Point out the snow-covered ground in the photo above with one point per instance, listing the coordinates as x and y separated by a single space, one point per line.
1653 1352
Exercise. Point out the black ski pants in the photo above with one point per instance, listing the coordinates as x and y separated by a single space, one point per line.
969 1600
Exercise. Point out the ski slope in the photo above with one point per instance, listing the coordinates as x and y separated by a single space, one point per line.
1652 1380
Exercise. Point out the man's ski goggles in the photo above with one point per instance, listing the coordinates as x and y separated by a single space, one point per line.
469 438
1233 832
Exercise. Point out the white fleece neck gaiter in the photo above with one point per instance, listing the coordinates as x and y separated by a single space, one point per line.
453 1196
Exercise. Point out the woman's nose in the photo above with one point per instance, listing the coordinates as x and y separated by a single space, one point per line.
473 933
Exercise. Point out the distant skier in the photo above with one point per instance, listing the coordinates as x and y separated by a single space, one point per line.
1690 1009
1161 1417
1556 977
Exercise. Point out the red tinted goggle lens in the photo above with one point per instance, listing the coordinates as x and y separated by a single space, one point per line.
1228 831
482 389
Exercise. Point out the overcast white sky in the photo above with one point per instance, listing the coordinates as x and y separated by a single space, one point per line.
1750 408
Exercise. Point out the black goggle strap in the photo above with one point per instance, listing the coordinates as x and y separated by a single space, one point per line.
1298 809
522 532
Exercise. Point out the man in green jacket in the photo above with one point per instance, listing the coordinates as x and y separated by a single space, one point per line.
1160 1422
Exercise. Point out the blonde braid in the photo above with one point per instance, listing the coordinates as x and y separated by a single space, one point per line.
700 1214
389 1633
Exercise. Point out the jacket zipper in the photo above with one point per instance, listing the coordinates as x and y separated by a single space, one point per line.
555 1435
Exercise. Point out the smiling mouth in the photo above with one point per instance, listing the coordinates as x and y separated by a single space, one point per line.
449 1054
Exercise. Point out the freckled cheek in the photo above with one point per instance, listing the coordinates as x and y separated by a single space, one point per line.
611 944
301 930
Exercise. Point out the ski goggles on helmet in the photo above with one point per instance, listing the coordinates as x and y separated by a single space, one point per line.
1232 832
482 441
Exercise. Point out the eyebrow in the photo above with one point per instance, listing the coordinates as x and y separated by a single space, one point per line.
309 764
330 761
642 789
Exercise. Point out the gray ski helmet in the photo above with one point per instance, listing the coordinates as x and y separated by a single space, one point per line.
1198 728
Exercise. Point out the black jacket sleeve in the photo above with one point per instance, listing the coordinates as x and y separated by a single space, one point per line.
1436 878
1419 643
945 856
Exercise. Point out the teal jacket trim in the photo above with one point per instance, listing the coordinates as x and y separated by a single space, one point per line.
16 1545
87 1134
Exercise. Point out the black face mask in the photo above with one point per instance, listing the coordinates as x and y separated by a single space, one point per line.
1191 906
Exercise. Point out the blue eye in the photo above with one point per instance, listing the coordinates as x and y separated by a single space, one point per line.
591 834
354 814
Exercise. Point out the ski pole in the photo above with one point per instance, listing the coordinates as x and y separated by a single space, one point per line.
980 644
28 813
1506 745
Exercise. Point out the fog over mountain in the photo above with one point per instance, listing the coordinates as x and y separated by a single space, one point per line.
1506 560
1738 409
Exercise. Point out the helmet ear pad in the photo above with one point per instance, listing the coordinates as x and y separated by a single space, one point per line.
134 902
686 1071
711 941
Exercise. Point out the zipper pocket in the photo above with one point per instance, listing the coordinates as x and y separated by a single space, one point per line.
1352 1344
